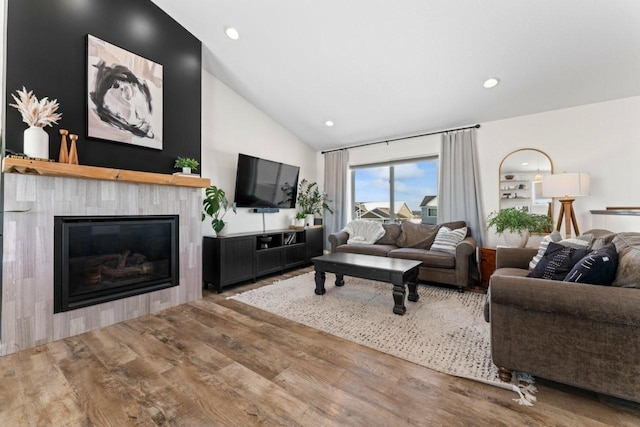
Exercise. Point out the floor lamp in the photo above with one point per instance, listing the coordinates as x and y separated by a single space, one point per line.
566 186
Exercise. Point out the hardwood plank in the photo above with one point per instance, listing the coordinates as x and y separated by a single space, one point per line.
221 362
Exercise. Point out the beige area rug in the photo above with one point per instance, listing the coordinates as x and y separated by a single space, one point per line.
444 331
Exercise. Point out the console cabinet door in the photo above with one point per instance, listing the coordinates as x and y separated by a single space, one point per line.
315 242
228 260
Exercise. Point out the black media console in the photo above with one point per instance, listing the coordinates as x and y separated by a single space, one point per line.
227 260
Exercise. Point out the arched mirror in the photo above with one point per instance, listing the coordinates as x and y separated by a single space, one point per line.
521 173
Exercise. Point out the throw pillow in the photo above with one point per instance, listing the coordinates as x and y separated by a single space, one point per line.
597 268
391 234
557 262
446 240
419 236
544 244
628 246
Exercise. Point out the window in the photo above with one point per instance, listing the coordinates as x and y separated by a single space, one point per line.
410 187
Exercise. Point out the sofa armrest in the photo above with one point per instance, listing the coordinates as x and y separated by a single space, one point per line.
610 304
514 257
337 239
464 251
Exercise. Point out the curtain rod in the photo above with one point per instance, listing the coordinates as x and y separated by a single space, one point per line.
400 139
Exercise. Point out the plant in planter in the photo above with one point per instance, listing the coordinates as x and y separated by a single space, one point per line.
514 220
187 164
311 200
216 206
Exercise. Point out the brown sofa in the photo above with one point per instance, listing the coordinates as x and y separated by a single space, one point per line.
578 334
413 241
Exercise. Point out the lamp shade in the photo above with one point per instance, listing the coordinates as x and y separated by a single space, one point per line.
566 185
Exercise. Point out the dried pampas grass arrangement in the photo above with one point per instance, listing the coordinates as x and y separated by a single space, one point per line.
36 113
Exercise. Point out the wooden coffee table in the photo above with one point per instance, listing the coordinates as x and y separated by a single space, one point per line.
391 270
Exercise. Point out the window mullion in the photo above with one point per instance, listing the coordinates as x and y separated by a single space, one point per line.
392 210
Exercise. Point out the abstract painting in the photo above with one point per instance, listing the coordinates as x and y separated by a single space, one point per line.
124 96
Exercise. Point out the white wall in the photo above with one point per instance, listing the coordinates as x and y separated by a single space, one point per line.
602 139
232 125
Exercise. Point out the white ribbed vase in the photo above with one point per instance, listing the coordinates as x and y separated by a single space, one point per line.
36 142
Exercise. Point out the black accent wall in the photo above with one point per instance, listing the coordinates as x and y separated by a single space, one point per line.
46 53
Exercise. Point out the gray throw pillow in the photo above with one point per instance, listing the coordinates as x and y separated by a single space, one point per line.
419 236
391 234
628 246
446 240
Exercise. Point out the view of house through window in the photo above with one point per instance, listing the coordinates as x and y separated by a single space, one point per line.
410 187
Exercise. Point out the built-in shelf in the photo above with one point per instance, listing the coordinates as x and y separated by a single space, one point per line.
36 167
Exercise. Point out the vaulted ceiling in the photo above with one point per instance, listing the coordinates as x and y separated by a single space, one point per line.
383 69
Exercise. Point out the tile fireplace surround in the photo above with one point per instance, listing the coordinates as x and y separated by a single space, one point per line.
27 283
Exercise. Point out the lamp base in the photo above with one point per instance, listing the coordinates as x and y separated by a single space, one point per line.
566 211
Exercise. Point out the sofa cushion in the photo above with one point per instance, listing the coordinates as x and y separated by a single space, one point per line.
428 258
555 236
580 242
454 225
446 240
557 262
628 246
391 234
596 268
366 249
601 238
418 236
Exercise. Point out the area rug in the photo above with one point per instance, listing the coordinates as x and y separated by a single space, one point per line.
444 330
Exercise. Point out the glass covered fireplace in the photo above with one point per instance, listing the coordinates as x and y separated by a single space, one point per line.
103 258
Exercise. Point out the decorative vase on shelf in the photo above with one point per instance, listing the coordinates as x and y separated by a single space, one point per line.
308 220
36 142
300 222
186 171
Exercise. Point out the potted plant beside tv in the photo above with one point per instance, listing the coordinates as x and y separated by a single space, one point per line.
515 225
216 206
312 201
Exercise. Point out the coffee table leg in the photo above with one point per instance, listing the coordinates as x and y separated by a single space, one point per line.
320 276
399 292
413 288
339 280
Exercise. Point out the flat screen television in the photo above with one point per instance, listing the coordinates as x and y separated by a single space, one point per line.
264 183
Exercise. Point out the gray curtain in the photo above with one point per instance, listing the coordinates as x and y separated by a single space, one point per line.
336 168
459 184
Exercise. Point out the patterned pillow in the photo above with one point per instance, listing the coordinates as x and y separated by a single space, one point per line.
447 239
597 268
557 262
544 243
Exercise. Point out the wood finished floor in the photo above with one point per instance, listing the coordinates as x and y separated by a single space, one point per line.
220 362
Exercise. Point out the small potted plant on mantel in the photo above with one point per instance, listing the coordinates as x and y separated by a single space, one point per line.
312 201
216 206
511 221
187 164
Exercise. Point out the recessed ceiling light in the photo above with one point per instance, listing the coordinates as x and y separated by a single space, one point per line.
232 33
525 163
329 123
492 82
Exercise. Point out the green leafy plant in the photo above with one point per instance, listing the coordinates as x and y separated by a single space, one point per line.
216 206
186 162
300 215
311 200
516 221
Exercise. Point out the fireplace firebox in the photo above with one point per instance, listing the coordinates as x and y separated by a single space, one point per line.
103 258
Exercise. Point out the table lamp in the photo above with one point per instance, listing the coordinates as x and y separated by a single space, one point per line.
566 186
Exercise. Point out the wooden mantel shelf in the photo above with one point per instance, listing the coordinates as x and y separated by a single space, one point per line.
35 167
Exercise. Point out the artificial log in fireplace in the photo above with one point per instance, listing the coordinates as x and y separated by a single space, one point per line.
100 259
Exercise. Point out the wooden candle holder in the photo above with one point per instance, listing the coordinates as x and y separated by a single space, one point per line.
73 152
63 157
